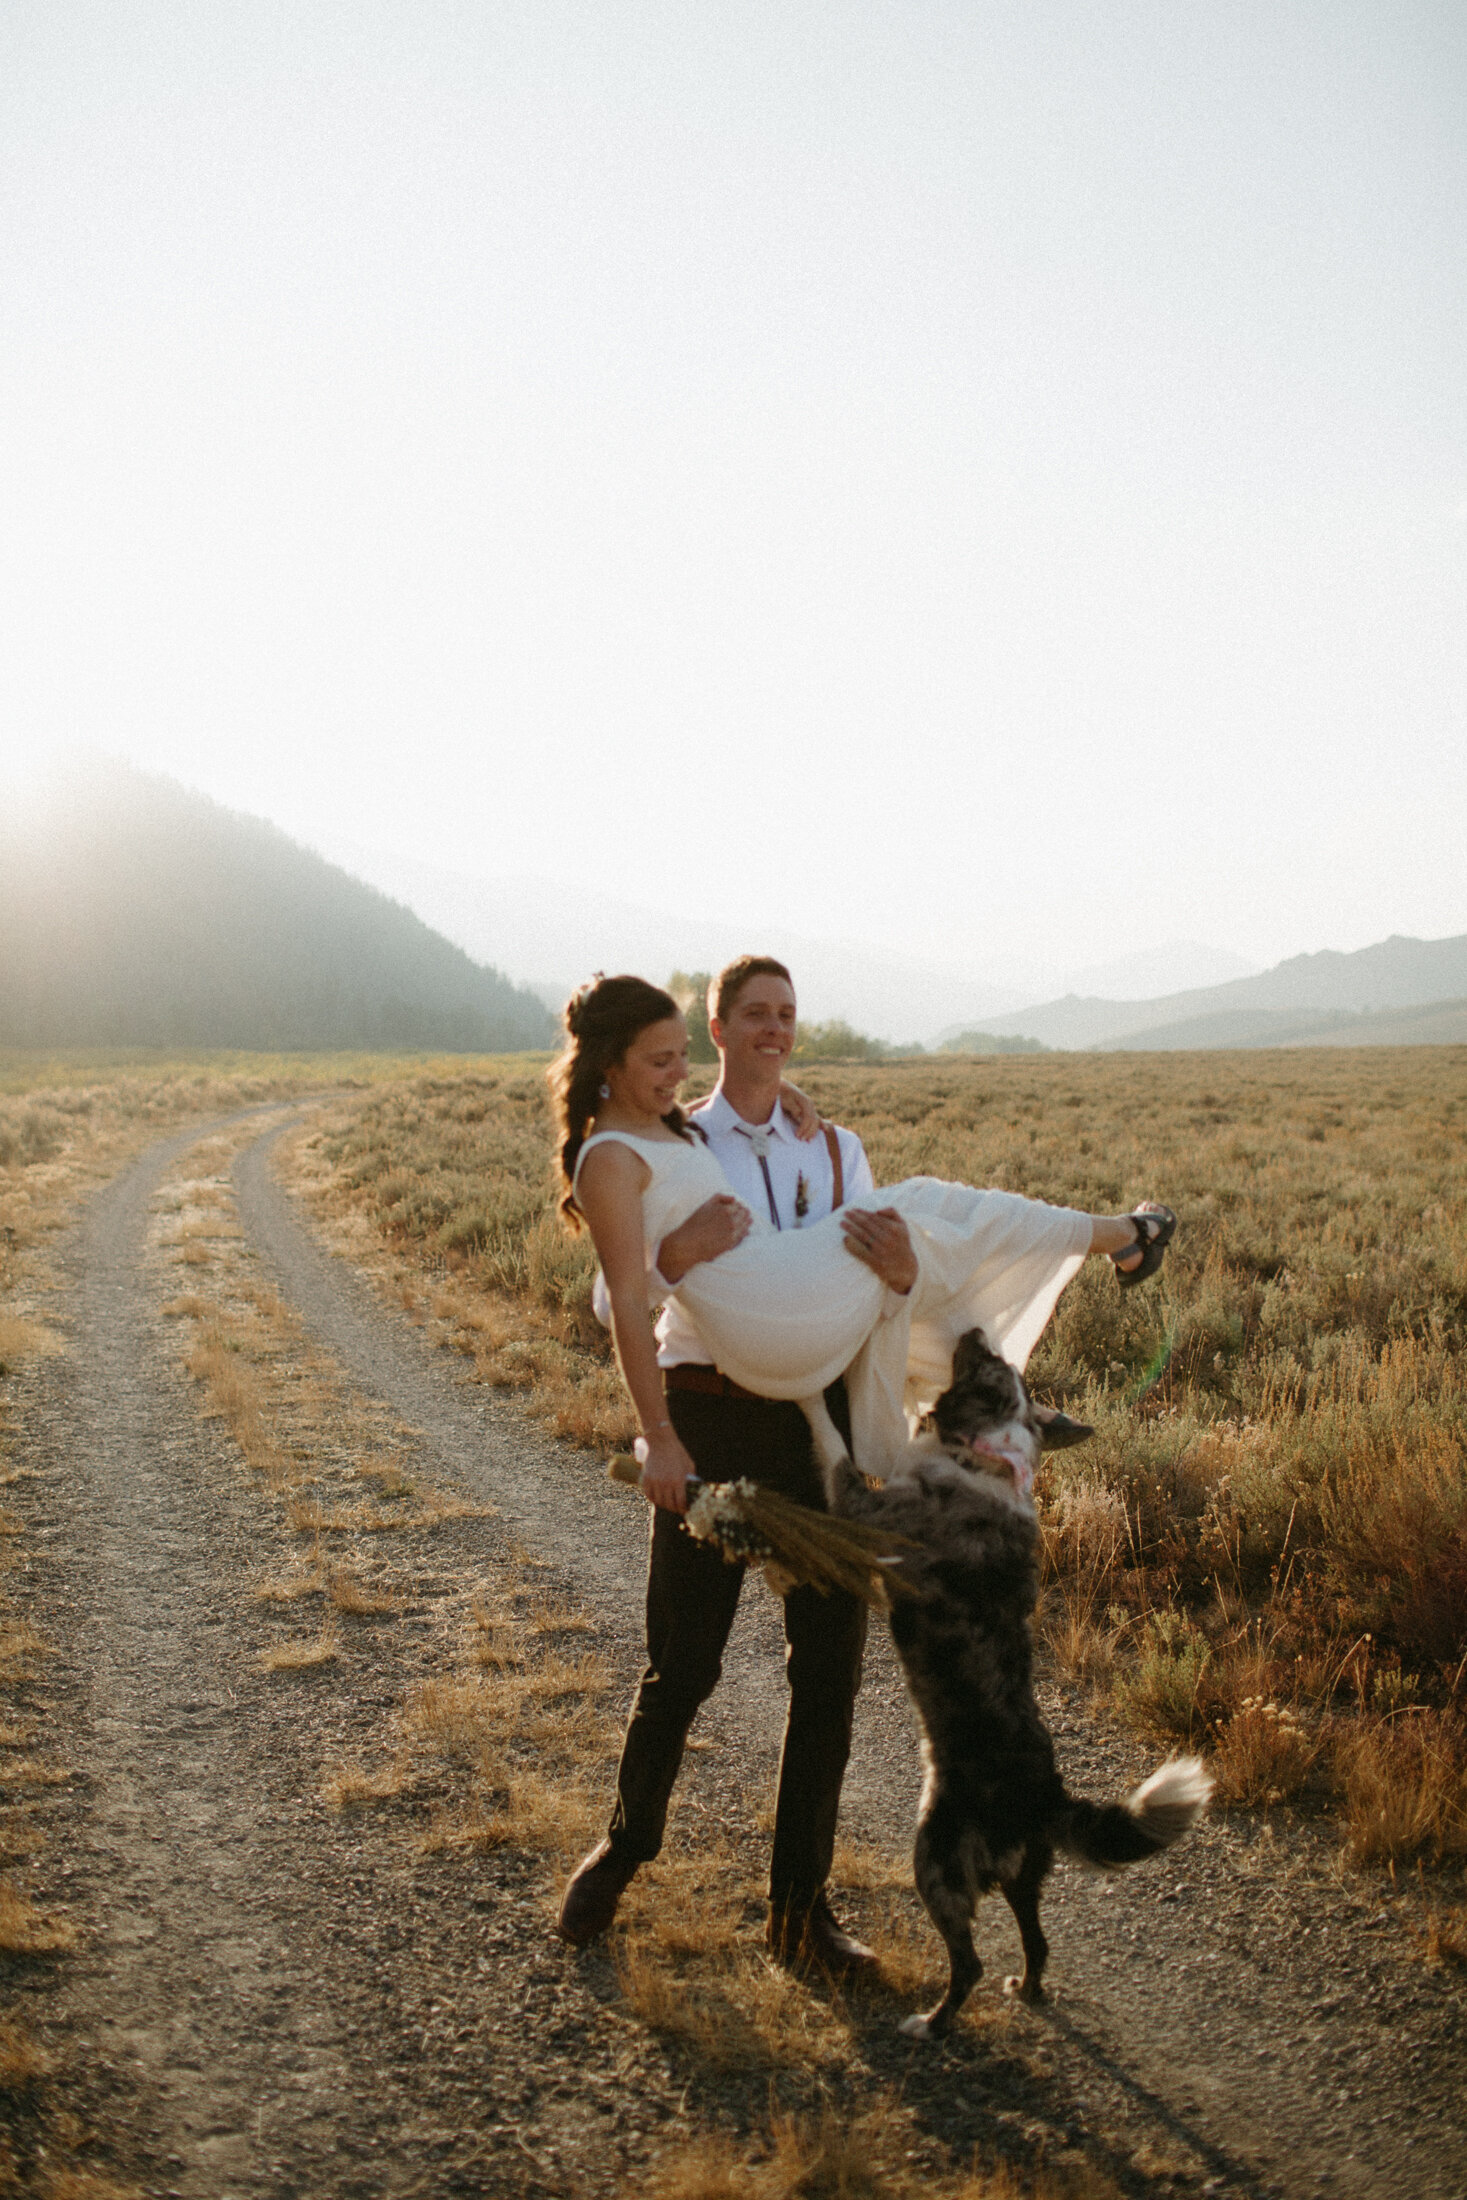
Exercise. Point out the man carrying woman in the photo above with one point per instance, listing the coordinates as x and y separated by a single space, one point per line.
692 1592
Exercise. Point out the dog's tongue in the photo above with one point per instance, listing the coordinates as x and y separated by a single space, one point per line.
1015 1460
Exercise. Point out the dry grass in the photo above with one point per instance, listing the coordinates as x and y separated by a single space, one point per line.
1444 1937
350 1785
19 1645
1406 1787
26 1931
300 1655
859 2155
22 2062
85 2184
346 1594
290 1591
24 1339
30 1772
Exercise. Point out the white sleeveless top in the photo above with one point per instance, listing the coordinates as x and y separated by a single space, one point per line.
684 1176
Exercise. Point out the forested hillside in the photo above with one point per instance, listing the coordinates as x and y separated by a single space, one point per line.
136 913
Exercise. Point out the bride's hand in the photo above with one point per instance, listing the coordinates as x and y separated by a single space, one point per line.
716 1227
665 1471
804 1116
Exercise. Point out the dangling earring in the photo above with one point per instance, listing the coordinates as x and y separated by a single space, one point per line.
604 1089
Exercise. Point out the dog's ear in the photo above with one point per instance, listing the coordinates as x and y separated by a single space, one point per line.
972 1355
1058 1432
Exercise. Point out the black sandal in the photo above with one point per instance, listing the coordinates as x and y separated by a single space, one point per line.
1155 1229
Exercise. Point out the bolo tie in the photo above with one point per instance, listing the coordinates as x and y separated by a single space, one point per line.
759 1140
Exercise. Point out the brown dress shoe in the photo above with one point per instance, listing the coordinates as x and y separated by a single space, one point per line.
595 1888
797 1937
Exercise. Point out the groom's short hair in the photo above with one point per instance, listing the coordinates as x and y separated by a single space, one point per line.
731 980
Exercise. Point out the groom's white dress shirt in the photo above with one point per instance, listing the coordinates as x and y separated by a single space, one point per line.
789 1160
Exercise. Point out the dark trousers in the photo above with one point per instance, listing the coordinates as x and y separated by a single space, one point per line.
692 1595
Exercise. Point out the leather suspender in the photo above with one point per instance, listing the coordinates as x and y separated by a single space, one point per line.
837 1170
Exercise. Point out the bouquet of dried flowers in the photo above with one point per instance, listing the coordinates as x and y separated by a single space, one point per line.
792 1542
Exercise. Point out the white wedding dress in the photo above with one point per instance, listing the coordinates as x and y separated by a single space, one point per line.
786 1312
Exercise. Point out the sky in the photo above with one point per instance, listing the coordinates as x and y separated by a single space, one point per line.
987 481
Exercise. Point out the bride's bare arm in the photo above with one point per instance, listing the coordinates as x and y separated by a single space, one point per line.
609 1195
802 1114
716 1227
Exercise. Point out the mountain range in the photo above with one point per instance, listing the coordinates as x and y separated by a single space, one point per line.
1384 995
553 939
136 913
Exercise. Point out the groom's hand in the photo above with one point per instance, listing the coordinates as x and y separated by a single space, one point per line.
716 1227
882 1240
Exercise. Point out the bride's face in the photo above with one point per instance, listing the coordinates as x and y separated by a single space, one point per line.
648 1077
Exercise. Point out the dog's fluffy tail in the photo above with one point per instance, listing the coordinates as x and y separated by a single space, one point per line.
1150 1819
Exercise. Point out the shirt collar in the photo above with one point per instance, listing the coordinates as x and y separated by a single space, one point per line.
719 1117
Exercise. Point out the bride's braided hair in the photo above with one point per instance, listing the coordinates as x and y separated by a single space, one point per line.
601 1020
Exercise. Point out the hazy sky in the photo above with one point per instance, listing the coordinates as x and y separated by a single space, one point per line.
984 478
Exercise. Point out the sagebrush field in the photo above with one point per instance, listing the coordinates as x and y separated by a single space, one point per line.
1263 1551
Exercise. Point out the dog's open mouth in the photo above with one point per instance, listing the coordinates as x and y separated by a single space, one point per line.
1009 1457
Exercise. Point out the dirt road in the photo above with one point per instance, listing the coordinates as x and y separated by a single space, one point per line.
272 1997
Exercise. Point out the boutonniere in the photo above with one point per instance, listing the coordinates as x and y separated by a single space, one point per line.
802 1197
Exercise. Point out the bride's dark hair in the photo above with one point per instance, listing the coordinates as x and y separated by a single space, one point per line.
601 1020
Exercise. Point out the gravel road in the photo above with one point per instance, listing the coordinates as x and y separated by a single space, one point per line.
269 2001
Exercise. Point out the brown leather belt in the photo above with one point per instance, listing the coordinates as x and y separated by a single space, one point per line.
710 1380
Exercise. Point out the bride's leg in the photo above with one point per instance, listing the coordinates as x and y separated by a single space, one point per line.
830 1450
839 1478
1119 1237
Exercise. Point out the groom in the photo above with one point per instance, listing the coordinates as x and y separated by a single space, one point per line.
692 1592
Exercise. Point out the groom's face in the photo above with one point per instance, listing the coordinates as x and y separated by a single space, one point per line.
757 1034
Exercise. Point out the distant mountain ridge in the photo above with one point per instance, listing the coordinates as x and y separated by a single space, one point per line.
553 939
1394 975
134 912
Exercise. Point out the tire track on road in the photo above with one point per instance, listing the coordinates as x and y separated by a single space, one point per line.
197 1958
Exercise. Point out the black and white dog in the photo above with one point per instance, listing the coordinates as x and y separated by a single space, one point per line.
994 1808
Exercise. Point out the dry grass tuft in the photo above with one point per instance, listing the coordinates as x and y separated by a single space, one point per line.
1405 1784
864 2156
1263 1754
291 1590
731 2007
350 1785
25 1931
19 1643
188 1308
23 1339
1444 1940
85 2184
346 1594
300 1656
547 1615
29 1772
22 2062
233 1393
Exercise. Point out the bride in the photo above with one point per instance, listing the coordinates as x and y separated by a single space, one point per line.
785 1314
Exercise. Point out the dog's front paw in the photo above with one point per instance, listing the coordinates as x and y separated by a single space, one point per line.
1026 1990
915 2028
